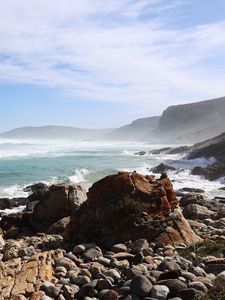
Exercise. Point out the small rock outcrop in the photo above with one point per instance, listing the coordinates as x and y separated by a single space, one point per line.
128 206
211 172
162 168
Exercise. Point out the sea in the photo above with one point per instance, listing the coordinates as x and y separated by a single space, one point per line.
25 162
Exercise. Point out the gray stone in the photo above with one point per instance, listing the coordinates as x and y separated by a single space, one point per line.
91 254
140 286
198 286
69 291
80 280
139 245
50 289
188 293
174 285
136 270
215 268
119 248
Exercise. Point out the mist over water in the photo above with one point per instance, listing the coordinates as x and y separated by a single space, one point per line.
23 162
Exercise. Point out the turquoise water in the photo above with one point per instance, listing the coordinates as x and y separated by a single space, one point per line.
23 162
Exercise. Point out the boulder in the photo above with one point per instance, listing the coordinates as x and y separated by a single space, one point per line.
127 206
195 211
37 191
59 227
191 198
58 202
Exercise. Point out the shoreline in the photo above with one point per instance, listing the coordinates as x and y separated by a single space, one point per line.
137 269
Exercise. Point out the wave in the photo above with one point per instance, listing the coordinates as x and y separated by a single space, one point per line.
13 210
13 191
79 176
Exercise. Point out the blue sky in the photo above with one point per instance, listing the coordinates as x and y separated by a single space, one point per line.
104 63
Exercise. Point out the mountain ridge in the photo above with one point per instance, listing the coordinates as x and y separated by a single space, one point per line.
54 131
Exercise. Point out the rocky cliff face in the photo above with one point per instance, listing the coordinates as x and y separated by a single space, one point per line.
193 122
187 123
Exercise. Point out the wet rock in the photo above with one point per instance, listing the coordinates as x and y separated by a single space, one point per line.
162 168
7 203
211 172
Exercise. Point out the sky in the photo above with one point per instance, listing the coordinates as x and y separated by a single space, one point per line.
104 63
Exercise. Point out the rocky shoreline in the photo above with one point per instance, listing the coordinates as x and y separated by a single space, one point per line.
129 237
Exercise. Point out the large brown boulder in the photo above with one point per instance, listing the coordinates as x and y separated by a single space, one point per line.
128 206
58 202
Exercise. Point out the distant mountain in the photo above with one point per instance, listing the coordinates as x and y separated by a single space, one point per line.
186 123
136 130
55 132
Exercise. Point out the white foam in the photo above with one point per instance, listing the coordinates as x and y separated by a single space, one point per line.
13 210
79 176
13 191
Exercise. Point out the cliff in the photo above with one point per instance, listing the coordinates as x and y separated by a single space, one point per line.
193 122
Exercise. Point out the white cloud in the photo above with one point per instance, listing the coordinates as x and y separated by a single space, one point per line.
118 51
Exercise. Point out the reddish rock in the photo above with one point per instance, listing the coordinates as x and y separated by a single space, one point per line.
129 206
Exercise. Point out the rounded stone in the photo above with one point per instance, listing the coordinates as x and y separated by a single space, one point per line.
50 289
140 286
80 280
65 262
110 295
160 292
79 249
119 248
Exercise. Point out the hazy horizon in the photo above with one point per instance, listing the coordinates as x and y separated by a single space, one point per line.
103 64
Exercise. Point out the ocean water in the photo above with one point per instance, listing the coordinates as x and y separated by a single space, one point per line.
24 162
